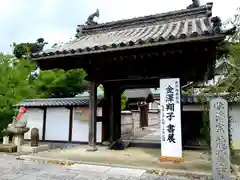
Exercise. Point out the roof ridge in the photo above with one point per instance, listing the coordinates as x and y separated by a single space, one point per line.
205 10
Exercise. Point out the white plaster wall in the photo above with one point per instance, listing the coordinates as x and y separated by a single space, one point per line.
234 112
80 129
57 124
34 120
99 111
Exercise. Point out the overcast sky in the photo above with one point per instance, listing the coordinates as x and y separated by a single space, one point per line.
56 20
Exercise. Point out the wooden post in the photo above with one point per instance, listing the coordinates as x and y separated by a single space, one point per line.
111 122
92 116
143 115
115 115
106 112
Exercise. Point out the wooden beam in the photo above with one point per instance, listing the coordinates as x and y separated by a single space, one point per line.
132 79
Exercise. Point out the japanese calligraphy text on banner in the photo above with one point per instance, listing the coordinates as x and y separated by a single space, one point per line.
170 118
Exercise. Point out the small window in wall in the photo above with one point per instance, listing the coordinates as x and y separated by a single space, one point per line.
78 115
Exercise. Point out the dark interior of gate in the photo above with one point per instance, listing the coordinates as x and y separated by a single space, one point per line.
136 53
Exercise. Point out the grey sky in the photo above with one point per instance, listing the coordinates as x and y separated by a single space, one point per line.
56 20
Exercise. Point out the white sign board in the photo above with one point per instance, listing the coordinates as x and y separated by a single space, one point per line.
170 118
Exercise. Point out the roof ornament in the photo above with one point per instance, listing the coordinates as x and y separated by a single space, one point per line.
90 20
195 4
79 31
209 9
217 27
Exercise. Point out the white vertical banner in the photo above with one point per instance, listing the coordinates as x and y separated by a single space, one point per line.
170 118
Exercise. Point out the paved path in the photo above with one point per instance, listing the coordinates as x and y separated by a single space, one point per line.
12 169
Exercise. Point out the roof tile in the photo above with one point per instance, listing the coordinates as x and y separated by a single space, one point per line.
135 36
172 26
137 93
56 102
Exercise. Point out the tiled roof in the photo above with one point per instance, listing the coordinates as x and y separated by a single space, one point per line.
56 102
86 93
130 93
171 27
137 93
194 98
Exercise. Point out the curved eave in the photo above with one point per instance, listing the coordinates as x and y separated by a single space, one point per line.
70 53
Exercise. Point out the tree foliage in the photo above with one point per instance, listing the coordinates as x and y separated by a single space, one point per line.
59 83
14 86
23 49
52 83
229 84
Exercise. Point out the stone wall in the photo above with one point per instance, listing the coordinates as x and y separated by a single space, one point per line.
135 119
126 122
153 117
131 120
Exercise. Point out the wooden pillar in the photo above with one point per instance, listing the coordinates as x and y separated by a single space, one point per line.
143 115
115 115
92 116
44 123
106 112
111 120
70 123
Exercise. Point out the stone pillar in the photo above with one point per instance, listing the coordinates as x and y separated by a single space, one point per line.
218 115
92 116
18 139
6 140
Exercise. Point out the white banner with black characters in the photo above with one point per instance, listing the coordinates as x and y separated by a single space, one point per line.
170 118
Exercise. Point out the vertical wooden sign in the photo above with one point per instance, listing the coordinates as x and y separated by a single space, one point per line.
170 120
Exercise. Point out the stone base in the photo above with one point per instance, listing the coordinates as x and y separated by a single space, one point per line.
106 143
27 148
118 145
91 148
6 140
10 148
18 139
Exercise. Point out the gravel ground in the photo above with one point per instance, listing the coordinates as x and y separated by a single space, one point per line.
13 169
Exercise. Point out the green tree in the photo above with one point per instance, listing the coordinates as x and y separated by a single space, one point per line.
229 49
24 49
14 86
59 83
52 83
